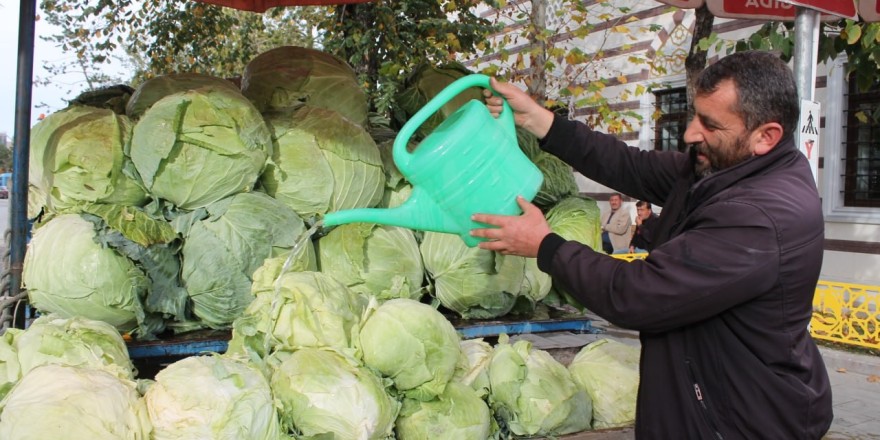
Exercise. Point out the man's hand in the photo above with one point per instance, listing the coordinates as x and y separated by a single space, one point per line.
514 234
527 113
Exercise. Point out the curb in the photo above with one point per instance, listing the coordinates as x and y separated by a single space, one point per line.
851 362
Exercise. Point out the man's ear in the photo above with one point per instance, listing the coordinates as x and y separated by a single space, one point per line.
765 137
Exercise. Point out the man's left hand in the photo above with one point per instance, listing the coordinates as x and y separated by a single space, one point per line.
513 234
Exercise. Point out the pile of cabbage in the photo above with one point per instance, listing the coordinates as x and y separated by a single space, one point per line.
155 219
395 370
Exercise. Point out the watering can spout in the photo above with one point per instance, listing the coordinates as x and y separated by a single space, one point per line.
418 212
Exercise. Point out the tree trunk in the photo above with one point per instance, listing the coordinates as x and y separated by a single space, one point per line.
537 79
696 59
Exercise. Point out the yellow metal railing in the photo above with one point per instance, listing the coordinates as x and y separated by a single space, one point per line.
630 257
846 313
842 312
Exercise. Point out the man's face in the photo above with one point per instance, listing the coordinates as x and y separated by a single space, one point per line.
717 135
643 212
614 201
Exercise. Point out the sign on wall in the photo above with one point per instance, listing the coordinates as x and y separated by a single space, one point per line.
807 136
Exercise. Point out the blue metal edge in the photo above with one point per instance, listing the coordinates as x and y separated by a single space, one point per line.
191 348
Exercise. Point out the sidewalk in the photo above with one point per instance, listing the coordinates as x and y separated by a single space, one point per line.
855 383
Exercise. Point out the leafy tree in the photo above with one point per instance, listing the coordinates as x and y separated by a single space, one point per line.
386 39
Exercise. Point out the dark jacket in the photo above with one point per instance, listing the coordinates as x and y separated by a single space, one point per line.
723 301
643 238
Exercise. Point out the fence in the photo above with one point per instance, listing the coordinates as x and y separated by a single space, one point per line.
846 313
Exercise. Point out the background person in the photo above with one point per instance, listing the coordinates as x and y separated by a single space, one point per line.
616 223
644 235
723 301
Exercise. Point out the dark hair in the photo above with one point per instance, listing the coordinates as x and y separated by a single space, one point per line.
765 88
643 204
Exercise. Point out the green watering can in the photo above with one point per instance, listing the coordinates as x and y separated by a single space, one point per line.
471 163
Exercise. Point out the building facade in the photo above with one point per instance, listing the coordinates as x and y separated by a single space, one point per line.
848 176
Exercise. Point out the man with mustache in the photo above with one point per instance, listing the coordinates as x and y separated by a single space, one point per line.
723 301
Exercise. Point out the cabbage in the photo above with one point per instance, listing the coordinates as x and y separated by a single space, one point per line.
73 403
559 181
322 163
302 309
67 272
10 370
77 342
197 147
285 77
422 85
533 394
211 397
472 282
578 219
225 243
459 413
609 372
473 368
322 392
372 259
413 344
159 87
79 156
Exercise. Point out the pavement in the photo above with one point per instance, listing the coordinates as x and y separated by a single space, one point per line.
855 383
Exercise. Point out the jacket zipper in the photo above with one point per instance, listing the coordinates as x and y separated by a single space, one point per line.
698 393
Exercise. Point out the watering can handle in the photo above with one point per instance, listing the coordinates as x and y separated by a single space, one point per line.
402 155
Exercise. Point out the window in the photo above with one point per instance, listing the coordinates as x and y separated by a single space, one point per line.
671 105
861 165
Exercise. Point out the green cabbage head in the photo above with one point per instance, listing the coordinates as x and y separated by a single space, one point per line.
609 371
534 394
413 344
80 155
73 403
322 163
288 76
458 413
574 218
161 86
75 341
473 367
211 397
10 370
383 261
194 148
226 244
68 273
324 395
472 282
559 181
297 310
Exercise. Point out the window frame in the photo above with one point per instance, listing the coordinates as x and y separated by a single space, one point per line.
833 151
681 118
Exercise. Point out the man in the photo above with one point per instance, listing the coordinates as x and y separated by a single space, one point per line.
643 238
723 301
615 226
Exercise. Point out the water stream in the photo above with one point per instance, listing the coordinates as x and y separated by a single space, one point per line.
276 298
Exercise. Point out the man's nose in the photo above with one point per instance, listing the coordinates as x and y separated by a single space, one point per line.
693 133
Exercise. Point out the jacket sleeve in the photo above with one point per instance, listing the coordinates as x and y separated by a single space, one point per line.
705 270
611 162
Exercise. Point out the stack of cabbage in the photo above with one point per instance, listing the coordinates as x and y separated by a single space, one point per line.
395 370
158 218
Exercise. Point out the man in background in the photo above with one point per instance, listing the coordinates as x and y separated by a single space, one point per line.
615 226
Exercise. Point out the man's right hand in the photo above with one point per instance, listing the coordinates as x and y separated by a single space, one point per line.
527 113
